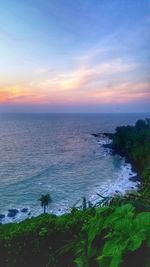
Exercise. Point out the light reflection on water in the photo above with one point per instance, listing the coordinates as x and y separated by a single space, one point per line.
56 154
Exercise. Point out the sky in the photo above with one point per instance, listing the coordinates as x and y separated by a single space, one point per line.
75 56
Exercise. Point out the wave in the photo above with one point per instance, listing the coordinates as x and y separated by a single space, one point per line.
121 186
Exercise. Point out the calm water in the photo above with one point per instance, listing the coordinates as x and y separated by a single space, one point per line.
57 154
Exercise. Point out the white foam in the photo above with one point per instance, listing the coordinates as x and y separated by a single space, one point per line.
20 216
104 141
121 186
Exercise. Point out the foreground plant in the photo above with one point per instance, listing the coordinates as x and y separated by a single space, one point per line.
113 237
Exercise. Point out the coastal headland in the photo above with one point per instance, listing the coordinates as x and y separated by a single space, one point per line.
117 234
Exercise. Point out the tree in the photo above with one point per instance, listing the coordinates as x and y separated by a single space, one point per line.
45 200
141 124
84 203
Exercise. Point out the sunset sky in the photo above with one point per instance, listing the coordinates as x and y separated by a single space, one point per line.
75 56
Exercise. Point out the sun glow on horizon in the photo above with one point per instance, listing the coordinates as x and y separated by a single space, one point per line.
100 67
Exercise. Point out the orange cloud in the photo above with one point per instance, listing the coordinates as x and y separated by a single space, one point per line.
120 93
16 94
83 76
85 84
123 93
8 93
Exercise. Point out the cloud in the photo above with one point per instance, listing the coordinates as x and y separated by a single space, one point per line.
89 82
123 93
19 94
7 93
82 77
104 47
41 70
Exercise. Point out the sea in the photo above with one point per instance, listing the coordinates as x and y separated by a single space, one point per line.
58 154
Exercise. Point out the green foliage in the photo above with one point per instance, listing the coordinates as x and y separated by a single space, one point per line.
115 235
111 234
134 142
92 237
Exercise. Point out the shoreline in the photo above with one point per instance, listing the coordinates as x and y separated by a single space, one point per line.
115 151
128 180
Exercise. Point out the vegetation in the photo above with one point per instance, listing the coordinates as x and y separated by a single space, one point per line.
45 200
106 237
116 235
134 142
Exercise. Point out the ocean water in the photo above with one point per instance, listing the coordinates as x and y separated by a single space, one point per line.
57 154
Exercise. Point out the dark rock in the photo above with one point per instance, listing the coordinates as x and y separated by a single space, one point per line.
96 135
2 216
109 135
24 210
117 191
134 178
108 146
12 212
